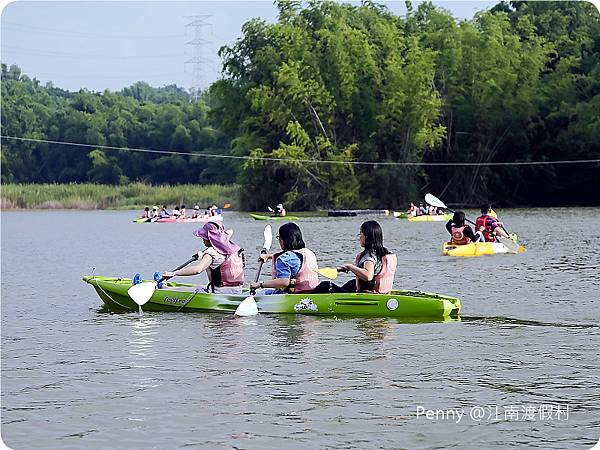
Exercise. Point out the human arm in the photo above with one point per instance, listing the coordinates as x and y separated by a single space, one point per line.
500 231
497 228
286 267
205 260
366 274
468 232
277 283
264 257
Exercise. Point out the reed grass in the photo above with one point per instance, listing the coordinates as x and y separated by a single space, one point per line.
101 196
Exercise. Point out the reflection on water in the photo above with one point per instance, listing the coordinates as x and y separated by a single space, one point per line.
142 342
76 375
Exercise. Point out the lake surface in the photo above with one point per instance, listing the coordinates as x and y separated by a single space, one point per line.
522 364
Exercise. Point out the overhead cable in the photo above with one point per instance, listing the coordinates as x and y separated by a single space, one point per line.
306 161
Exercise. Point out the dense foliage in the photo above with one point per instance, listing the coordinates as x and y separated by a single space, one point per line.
333 81
139 117
103 196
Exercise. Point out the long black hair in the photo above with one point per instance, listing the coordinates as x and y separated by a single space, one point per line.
373 238
291 236
459 218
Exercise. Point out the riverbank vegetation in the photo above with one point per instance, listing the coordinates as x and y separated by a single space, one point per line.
102 196
401 98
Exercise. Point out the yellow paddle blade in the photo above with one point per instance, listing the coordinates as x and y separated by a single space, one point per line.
226 205
329 272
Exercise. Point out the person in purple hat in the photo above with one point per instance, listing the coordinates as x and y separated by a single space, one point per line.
223 261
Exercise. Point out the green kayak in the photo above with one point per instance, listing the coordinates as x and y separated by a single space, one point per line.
261 217
181 297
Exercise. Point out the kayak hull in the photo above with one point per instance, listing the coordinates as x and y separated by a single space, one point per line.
477 249
262 217
181 297
216 218
427 218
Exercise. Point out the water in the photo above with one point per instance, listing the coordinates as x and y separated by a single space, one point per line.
76 376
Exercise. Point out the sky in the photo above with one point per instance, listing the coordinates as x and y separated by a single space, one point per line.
98 45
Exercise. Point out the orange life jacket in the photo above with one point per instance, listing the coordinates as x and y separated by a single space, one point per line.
458 235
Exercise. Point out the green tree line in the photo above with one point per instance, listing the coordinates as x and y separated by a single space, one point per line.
339 82
138 117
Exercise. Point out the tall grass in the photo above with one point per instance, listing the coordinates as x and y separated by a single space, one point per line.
101 196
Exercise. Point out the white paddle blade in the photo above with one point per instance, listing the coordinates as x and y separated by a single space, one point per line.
248 307
141 293
268 233
434 201
511 245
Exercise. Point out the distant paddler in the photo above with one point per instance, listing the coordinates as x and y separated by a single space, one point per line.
164 213
222 260
280 210
146 215
461 233
488 224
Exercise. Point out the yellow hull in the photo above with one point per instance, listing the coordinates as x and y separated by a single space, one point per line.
438 218
477 249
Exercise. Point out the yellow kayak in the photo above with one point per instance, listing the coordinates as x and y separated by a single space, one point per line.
428 218
477 249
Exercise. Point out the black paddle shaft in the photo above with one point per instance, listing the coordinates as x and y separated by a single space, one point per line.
189 261
468 220
262 252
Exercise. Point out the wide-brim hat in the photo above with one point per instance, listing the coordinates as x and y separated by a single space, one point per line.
214 232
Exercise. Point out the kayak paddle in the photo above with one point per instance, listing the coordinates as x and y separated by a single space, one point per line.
141 293
248 306
328 272
508 243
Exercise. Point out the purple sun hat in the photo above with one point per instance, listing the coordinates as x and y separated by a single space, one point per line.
214 232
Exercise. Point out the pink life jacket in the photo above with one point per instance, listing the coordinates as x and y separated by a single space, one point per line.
307 277
384 280
230 273
458 235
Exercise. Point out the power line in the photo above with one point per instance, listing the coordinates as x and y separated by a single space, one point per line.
306 161
34 29
109 77
21 50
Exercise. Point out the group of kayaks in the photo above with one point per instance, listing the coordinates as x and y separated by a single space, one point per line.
215 218
400 304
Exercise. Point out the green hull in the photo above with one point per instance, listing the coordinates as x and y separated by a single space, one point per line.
400 304
261 217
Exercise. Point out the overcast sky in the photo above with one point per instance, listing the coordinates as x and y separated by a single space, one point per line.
111 45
